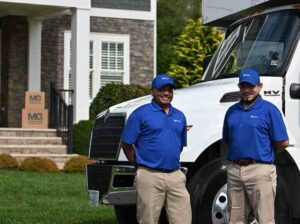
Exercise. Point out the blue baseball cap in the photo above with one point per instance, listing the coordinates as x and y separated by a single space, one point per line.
249 75
161 80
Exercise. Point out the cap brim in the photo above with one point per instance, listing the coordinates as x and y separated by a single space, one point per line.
166 84
251 83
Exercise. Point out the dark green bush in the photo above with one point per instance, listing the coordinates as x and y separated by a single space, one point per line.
115 93
8 162
77 164
82 131
38 164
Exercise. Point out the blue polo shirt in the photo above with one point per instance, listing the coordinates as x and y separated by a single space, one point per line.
158 137
251 132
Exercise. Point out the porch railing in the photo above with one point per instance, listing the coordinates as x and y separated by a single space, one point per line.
61 114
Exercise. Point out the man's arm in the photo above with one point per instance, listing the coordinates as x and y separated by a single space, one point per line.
129 152
280 146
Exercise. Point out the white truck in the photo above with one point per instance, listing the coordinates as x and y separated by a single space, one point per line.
261 34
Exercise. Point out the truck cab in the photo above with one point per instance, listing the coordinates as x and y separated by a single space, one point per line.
263 36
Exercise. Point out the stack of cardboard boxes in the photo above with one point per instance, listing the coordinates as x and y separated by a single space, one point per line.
34 115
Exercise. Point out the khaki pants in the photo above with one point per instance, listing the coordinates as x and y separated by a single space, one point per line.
156 189
251 187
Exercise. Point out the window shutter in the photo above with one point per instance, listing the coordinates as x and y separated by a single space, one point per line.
112 57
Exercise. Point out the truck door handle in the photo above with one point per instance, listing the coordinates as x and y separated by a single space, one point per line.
295 91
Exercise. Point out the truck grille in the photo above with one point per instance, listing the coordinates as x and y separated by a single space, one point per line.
106 136
98 177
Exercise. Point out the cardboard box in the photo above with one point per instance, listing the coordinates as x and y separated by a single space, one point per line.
35 118
34 100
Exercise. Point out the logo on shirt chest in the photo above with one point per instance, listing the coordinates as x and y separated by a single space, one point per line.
177 121
253 116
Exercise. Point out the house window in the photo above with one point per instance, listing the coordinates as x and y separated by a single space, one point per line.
108 60
112 62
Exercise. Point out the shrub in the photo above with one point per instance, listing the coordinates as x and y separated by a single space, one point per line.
82 131
8 162
114 93
194 43
77 164
37 164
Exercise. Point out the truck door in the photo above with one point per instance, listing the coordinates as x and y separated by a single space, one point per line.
292 103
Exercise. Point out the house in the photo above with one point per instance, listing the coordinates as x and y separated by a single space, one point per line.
76 44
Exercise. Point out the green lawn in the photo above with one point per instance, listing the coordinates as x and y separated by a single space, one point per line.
47 198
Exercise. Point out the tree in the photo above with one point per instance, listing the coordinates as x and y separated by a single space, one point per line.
194 43
171 19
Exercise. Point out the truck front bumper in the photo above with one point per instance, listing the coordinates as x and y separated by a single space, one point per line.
115 183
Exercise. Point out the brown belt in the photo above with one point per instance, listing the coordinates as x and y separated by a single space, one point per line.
244 162
159 169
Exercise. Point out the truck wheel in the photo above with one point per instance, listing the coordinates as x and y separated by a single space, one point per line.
208 191
283 207
203 188
127 215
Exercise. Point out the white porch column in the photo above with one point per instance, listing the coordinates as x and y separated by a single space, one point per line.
35 43
80 63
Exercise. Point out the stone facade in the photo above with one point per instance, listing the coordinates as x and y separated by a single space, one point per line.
52 67
141 44
14 69
142 5
14 57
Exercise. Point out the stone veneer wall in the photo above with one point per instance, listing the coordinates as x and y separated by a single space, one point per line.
53 54
141 47
14 60
141 44
14 70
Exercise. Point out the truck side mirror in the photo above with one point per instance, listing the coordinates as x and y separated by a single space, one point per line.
295 91
205 62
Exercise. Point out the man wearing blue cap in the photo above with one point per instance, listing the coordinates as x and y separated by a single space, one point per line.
253 131
153 139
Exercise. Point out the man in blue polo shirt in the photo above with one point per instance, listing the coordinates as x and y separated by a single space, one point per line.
254 131
153 139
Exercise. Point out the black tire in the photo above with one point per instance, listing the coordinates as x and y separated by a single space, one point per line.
203 187
283 209
127 215
207 182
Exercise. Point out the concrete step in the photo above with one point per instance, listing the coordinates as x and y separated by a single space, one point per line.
59 159
15 140
33 149
23 132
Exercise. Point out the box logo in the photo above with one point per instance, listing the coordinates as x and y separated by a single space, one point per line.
35 99
35 117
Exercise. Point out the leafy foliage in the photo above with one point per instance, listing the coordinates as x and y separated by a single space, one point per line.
194 43
82 132
8 162
171 19
77 164
37 164
114 93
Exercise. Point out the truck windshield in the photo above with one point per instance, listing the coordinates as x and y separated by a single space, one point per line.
263 43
